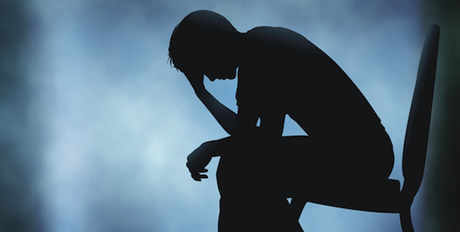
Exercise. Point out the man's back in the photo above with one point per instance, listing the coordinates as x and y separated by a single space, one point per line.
284 71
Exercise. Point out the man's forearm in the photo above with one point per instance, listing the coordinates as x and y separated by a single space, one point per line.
218 147
233 144
224 116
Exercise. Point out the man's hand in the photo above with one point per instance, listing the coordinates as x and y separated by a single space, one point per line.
199 159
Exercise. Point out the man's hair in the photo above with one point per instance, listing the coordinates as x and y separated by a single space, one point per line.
199 34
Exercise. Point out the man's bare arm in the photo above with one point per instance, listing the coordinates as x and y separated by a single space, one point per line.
224 116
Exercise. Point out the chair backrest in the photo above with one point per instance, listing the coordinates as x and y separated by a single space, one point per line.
416 140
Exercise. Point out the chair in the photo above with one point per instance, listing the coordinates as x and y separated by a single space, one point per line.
386 197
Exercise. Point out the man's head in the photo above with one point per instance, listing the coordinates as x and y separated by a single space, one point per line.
204 42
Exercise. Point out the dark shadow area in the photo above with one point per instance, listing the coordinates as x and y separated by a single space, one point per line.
345 159
441 203
19 201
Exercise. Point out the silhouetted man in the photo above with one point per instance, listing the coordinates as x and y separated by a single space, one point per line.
279 73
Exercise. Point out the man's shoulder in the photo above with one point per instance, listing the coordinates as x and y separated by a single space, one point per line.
268 31
282 38
276 34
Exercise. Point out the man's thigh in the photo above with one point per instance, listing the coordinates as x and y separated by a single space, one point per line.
270 171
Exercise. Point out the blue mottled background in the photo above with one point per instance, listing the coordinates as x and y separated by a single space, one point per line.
95 125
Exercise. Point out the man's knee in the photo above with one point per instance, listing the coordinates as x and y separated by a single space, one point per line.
242 177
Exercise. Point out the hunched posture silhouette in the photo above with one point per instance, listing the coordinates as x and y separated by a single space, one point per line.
280 73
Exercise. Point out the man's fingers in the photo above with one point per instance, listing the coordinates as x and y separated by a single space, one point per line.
197 176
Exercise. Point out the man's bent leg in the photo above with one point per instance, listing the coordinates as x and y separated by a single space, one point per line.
250 199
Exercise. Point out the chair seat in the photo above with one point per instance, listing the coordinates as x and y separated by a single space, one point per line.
381 196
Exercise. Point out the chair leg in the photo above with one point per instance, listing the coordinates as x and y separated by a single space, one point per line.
406 220
298 227
297 205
